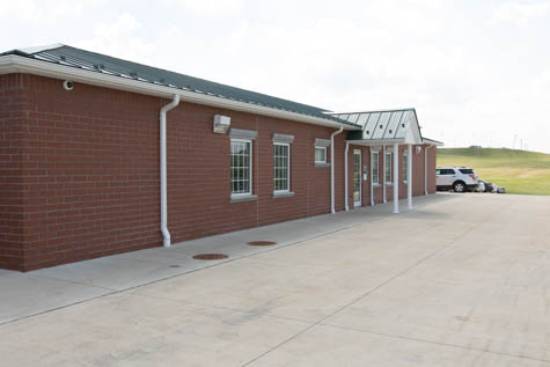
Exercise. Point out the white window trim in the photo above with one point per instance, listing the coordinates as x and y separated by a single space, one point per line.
372 165
287 190
249 194
325 149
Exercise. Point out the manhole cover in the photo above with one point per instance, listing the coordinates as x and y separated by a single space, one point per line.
210 257
174 266
261 243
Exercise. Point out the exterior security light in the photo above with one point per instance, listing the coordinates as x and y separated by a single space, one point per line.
221 124
68 85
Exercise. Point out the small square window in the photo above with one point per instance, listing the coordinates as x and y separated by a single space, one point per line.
321 155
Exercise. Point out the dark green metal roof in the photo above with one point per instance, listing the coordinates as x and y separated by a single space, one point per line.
92 61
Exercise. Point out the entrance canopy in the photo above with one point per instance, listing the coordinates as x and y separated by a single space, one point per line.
384 127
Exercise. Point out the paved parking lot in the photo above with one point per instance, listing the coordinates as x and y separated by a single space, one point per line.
462 280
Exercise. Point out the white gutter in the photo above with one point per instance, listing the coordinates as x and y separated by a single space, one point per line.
332 166
346 168
17 64
166 241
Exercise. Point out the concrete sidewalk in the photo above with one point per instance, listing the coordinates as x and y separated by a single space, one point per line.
460 281
46 289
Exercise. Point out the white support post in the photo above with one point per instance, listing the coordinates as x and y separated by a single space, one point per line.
346 178
396 178
409 176
333 170
370 176
384 195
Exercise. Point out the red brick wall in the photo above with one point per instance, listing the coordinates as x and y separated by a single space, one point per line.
80 172
89 182
90 172
199 189
13 113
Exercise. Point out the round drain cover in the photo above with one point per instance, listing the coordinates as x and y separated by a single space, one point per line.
210 257
261 243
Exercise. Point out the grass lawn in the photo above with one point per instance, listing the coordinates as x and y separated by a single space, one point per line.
520 172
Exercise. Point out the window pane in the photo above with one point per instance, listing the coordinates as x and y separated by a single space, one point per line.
320 154
388 167
281 167
374 165
240 166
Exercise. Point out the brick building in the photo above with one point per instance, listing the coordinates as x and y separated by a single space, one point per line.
99 156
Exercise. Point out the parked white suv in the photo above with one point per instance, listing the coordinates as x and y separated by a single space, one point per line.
459 179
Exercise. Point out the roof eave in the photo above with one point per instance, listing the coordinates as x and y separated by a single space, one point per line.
376 142
370 111
436 143
12 63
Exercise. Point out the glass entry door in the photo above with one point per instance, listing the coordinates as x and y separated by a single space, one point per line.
357 177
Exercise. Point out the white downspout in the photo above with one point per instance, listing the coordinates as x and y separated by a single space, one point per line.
396 178
384 195
409 176
332 164
426 169
166 241
346 199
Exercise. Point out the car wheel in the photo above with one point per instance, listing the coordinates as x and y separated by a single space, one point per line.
459 186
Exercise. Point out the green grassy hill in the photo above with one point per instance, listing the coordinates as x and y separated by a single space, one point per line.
520 172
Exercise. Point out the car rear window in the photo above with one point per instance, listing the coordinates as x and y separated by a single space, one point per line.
445 171
466 171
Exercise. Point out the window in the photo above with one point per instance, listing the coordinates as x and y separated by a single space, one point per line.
388 173
466 171
241 167
321 155
281 167
405 166
445 171
374 166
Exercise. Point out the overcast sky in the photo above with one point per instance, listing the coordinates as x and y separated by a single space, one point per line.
478 72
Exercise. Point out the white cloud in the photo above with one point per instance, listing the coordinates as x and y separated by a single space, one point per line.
43 11
121 38
210 7
521 12
473 81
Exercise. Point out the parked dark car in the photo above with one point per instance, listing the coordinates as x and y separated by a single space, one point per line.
488 186
485 186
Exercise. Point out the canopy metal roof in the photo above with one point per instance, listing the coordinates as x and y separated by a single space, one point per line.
384 126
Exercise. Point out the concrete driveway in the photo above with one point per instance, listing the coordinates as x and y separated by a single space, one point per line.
463 280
